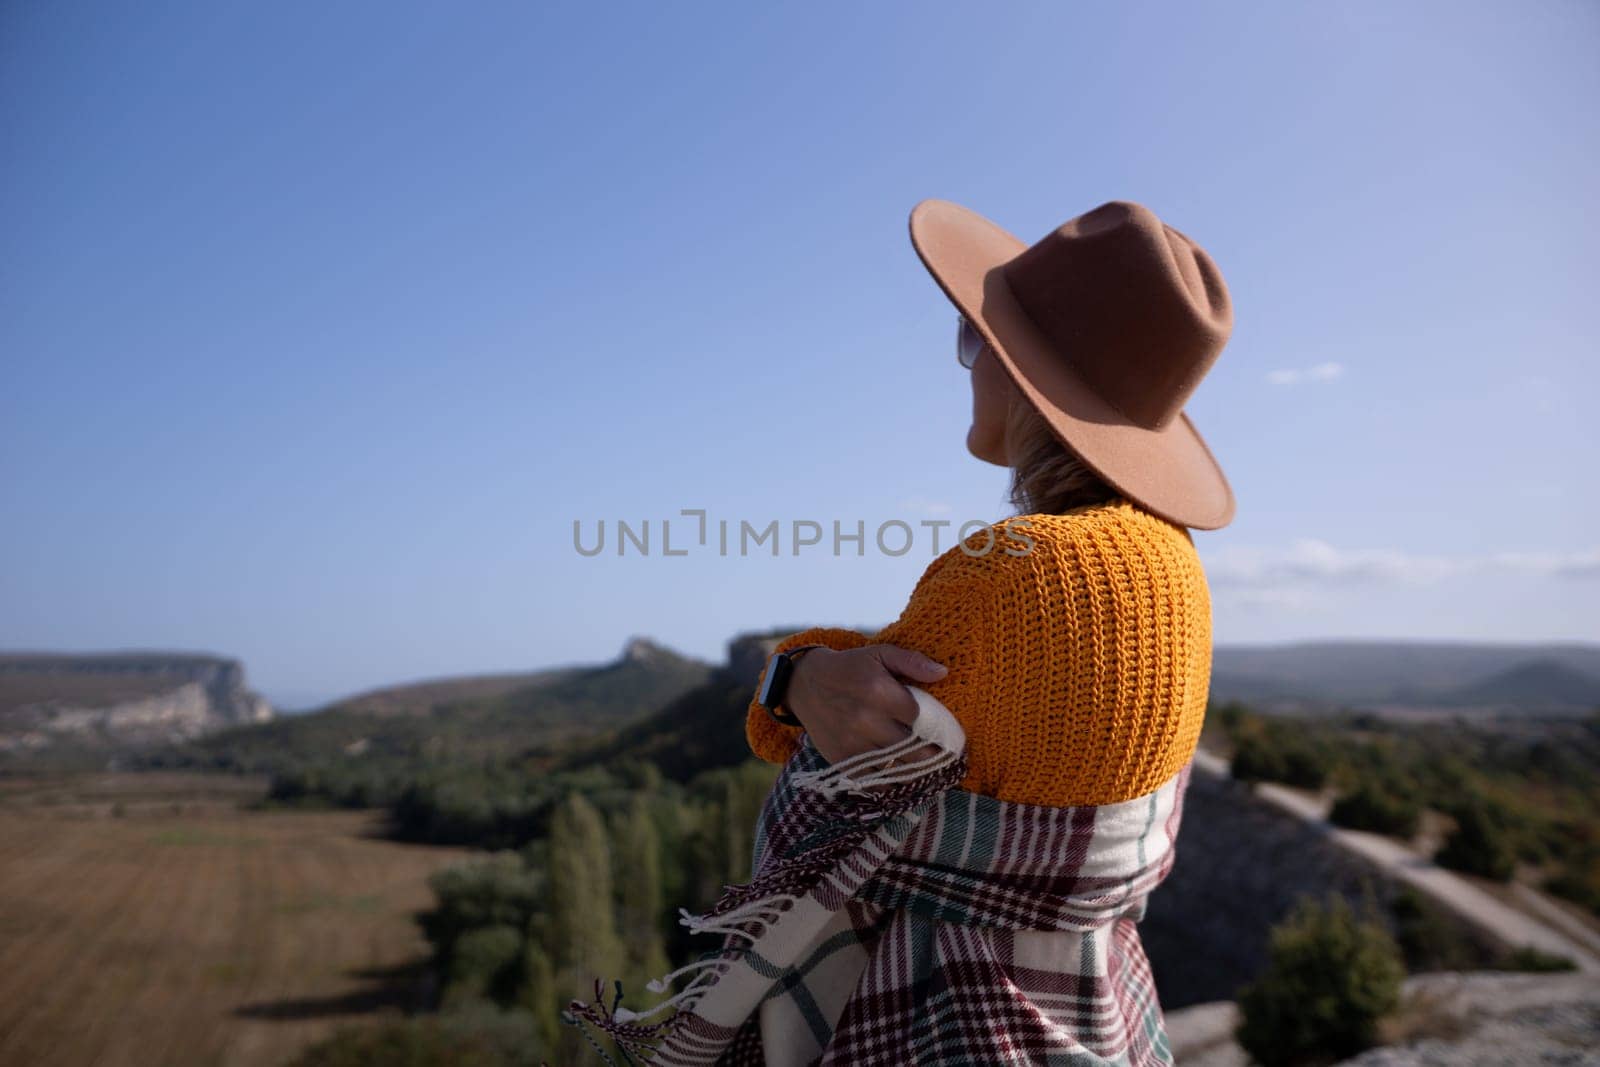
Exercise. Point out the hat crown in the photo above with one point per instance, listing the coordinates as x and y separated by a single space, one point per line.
1138 310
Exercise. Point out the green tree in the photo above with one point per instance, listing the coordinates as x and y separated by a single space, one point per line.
1330 977
1480 843
1432 938
1578 876
498 890
539 995
476 1036
582 933
1231 716
487 965
747 788
638 854
1378 805
1281 752
1305 766
1257 759
582 927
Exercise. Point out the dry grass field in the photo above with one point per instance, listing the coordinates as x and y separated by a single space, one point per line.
147 920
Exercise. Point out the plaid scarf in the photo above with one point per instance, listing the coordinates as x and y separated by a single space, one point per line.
921 924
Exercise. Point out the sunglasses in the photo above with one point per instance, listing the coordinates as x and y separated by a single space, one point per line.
969 342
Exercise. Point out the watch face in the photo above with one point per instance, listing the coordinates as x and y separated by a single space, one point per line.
768 683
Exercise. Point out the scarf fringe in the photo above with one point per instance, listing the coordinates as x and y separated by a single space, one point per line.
763 900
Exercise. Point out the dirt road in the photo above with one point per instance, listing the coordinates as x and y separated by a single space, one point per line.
1514 926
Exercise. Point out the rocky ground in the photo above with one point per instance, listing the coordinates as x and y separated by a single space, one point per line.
1482 1019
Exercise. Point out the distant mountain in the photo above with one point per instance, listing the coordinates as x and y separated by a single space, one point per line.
1538 682
1256 690
680 713
504 715
1314 675
119 699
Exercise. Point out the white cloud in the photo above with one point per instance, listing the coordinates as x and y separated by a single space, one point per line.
1311 563
1313 375
1581 564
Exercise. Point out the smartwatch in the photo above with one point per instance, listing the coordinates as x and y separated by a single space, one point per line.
780 668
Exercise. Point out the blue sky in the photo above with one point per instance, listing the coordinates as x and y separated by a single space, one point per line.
321 324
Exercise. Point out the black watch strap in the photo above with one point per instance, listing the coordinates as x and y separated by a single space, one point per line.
783 718
785 660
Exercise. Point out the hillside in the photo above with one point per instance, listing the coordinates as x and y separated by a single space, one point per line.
702 729
475 717
1540 682
1557 678
421 698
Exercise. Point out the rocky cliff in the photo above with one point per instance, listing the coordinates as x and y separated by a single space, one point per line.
120 699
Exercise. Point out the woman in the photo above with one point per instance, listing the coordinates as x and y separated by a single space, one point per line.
977 801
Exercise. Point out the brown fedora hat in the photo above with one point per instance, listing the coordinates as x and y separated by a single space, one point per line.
1106 324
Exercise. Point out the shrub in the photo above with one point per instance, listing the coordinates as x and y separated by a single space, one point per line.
486 892
1277 756
478 1038
1579 877
1256 759
1304 767
1379 806
1432 939
1330 977
1231 718
1528 958
1479 844
486 964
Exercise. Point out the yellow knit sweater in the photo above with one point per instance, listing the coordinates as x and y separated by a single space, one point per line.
1079 670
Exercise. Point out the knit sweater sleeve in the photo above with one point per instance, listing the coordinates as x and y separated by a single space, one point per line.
768 738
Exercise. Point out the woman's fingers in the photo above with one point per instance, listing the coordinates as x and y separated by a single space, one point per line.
913 666
852 703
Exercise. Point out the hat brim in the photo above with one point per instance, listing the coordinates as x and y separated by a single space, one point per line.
1169 471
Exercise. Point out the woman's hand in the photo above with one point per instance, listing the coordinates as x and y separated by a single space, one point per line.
856 701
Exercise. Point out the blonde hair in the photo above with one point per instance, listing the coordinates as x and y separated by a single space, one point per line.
1047 477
